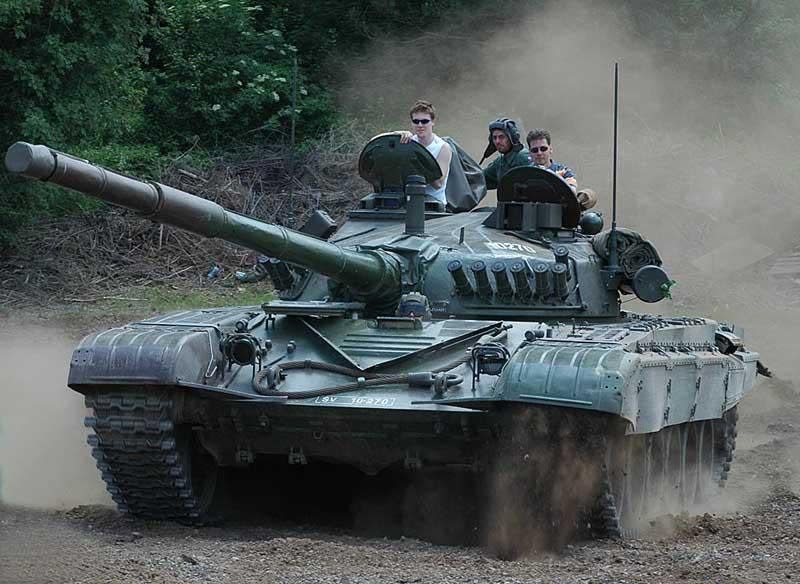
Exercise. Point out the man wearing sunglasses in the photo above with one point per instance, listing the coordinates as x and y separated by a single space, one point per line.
423 116
542 153
504 139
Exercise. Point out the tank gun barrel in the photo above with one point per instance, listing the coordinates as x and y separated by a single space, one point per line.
374 274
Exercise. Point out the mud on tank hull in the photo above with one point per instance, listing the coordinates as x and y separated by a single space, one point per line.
593 427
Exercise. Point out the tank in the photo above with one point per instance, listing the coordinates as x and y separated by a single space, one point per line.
487 345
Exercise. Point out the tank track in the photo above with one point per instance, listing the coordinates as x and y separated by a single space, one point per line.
142 458
724 446
604 520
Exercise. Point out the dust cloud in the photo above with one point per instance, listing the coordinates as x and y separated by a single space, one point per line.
44 459
707 154
543 481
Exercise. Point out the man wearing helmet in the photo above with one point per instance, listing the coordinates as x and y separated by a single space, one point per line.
504 138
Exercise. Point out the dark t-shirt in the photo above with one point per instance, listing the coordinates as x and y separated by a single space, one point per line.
569 174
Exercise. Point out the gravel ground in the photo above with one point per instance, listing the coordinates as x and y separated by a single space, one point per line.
750 534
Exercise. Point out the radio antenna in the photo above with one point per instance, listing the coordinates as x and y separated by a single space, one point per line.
613 259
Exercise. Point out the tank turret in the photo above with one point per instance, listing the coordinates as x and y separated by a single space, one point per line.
527 258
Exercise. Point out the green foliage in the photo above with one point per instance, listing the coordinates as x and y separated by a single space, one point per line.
215 75
144 161
330 34
127 83
72 71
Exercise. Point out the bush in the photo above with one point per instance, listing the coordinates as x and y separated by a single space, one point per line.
215 76
72 71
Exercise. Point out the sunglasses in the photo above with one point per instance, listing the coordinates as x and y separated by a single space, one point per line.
540 149
417 122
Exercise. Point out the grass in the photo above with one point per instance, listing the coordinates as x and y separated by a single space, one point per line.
158 299
133 304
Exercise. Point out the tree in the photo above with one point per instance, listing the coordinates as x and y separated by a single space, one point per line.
216 75
73 74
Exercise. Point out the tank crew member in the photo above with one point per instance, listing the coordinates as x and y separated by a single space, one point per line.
541 149
503 138
423 118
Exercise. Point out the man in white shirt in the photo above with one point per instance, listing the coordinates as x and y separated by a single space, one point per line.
423 118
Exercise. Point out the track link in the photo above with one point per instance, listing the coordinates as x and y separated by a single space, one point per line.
143 459
724 445
604 520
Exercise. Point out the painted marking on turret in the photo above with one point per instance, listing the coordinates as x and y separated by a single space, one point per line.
351 400
499 248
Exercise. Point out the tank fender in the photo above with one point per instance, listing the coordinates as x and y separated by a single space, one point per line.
149 353
131 356
588 376
648 389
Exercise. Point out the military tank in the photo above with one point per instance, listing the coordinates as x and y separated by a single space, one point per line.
488 343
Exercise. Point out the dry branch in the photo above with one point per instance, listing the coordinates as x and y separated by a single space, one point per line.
98 255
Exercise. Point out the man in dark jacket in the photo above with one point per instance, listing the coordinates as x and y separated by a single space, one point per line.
504 139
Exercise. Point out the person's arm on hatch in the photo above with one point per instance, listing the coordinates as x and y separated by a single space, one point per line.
405 135
586 197
569 176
